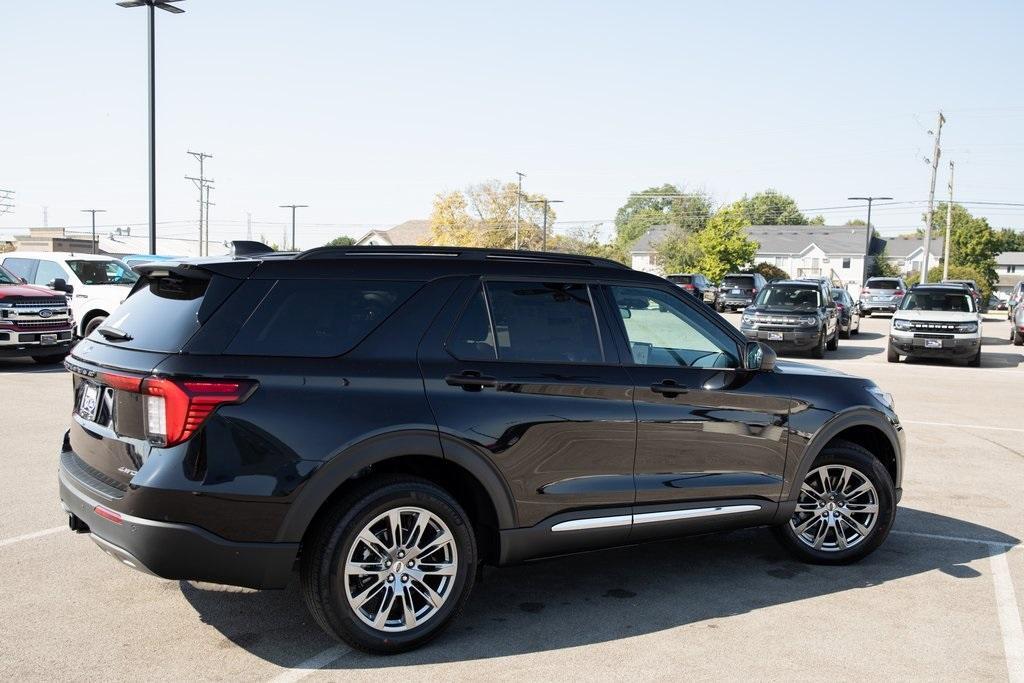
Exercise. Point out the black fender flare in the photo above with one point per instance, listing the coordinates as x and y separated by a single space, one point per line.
326 479
852 417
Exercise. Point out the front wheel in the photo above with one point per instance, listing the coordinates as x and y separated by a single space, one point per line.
833 343
390 565
891 355
975 362
1018 338
845 509
819 349
866 314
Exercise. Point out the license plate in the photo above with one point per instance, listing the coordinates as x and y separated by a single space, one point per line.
933 343
89 401
47 339
737 291
881 298
709 297
774 336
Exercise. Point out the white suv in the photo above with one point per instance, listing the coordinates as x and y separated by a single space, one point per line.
95 285
936 321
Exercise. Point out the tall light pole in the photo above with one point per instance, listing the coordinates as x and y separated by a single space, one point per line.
545 202
94 212
167 7
293 207
867 243
519 206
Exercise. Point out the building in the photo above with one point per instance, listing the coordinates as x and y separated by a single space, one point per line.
907 253
836 252
117 242
410 232
1010 269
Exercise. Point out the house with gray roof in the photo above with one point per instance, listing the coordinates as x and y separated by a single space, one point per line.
1010 268
906 253
412 232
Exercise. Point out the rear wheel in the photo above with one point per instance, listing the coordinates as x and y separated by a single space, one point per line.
845 509
390 565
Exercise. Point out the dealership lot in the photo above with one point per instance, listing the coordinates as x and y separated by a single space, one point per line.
941 598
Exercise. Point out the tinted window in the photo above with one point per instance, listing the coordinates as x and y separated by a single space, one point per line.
544 322
664 331
160 315
883 283
472 338
938 301
318 318
789 296
22 267
47 272
7 277
681 279
746 281
109 272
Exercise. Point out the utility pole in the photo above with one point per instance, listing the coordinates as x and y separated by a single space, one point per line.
949 225
519 206
293 207
248 226
200 183
6 201
206 241
46 217
94 212
544 234
931 200
867 242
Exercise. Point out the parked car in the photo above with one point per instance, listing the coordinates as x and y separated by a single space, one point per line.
96 284
739 289
34 322
1016 296
881 294
849 312
973 287
393 417
696 285
795 315
936 321
1017 327
996 303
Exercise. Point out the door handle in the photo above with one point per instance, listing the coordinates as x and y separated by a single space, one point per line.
669 388
470 380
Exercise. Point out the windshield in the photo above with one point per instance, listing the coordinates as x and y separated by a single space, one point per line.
883 284
938 301
738 281
103 272
7 277
839 295
789 297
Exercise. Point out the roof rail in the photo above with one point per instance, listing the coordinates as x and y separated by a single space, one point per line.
468 253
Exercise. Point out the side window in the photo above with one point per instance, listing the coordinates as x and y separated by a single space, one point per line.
544 322
665 332
22 267
472 338
47 272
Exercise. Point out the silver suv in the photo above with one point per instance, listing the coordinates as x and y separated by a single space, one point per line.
882 294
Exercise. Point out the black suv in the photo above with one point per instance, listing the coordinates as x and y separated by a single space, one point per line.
798 315
389 418
739 289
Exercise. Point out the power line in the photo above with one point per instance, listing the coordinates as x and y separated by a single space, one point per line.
202 184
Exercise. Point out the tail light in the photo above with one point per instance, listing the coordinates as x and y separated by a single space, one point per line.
840 306
176 408
898 292
688 287
754 290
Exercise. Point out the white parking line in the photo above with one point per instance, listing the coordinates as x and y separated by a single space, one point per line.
961 539
314 663
962 426
29 537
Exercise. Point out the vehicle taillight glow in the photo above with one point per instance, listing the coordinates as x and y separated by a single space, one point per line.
122 382
175 409
754 290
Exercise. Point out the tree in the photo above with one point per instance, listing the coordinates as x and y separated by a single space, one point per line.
856 222
1010 240
341 241
817 220
770 272
955 273
584 240
881 266
723 246
484 215
678 251
688 211
771 208
972 243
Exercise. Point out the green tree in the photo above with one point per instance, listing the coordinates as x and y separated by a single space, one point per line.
856 222
678 251
341 241
1010 240
770 272
955 273
972 243
723 246
484 215
881 266
687 210
584 240
771 208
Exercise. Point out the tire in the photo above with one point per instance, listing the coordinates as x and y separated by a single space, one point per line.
93 324
328 590
975 362
846 335
856 330
52 359
720 308
891 355
833 343
866 314
862 471
819 350
1018 338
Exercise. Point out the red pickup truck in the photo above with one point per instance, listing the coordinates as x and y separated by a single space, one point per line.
34 321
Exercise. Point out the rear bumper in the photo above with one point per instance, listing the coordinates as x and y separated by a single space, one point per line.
736 302
178 551
882 306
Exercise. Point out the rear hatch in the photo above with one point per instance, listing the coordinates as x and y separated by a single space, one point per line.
120 408
882 290
738 286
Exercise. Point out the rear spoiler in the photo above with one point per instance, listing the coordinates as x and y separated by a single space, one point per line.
245 248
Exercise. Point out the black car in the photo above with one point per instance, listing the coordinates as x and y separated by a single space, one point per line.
739 289
390 418
696 285
849 312
794 315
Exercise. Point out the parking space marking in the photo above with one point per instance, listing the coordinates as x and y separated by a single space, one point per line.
314 663
961 539
962 426
29 537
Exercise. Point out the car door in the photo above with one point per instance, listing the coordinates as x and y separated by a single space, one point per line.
522 374
707 429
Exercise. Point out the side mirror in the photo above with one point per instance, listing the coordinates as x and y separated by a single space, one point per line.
759 357
61 285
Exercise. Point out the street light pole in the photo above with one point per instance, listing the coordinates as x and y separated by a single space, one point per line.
519 206
94 212
293 207
151 6
867 242
544 234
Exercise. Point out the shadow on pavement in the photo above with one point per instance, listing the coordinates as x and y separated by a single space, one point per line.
989 359
23 365
609 595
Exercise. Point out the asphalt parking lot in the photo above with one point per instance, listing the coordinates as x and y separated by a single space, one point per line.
942 598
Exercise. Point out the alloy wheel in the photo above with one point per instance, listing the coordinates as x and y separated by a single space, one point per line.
837 508
401 569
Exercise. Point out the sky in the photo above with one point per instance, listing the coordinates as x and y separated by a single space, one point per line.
365 111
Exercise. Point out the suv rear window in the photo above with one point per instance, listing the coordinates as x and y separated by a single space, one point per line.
681 279
160 315
738 281
318 318
874 283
